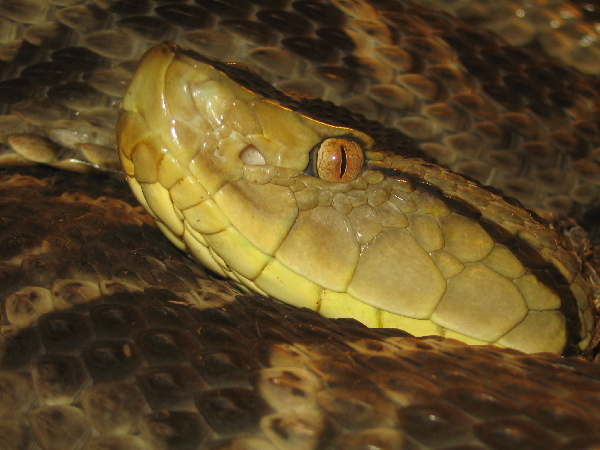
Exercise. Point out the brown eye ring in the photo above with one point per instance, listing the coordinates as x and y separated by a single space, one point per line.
338 159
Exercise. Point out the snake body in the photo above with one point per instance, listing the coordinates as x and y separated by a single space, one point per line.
348 386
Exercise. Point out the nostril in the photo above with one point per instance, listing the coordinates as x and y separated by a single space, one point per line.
252 157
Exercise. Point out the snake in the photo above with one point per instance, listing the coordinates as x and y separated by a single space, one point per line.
127 345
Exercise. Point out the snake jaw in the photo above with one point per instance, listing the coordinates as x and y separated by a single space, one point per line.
225 182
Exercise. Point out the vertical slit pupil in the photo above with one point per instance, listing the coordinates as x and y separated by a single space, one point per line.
343 162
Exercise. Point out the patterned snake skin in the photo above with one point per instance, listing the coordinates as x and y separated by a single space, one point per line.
134 348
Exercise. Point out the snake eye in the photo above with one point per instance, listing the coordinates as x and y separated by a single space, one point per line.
338 159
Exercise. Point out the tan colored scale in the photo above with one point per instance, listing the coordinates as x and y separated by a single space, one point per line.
222 170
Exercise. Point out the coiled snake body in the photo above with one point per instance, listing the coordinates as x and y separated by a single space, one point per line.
110 339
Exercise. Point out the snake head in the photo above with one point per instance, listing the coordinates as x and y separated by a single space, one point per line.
305 202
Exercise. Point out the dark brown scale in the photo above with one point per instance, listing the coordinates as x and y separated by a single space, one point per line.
588 131
258 303
270 333
75 92
28 54
64 372
15 90
111 360
187 16
76 58
545 76
360 66
20 348
184 429
337 37
232 410
389 5
564 421
171 386
151 29
515 202
216 316
161 313
524 87
270 3
505 433
309 48
127 7
406 25
286 22
309 321
521 55
239 9
542 109
561 99
458 43
354 329
324 14
435 424
210 335
426 48
502 62
167 345
381 363
169 280
226 367
63 332
141 274
334 349
483 403
98 260
434 20
447 369
481 70
45 73
257 331
504 96
251 31
313 332
590 92
14 244
569 382
117 320
486 42
42 271
125 297
262 317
